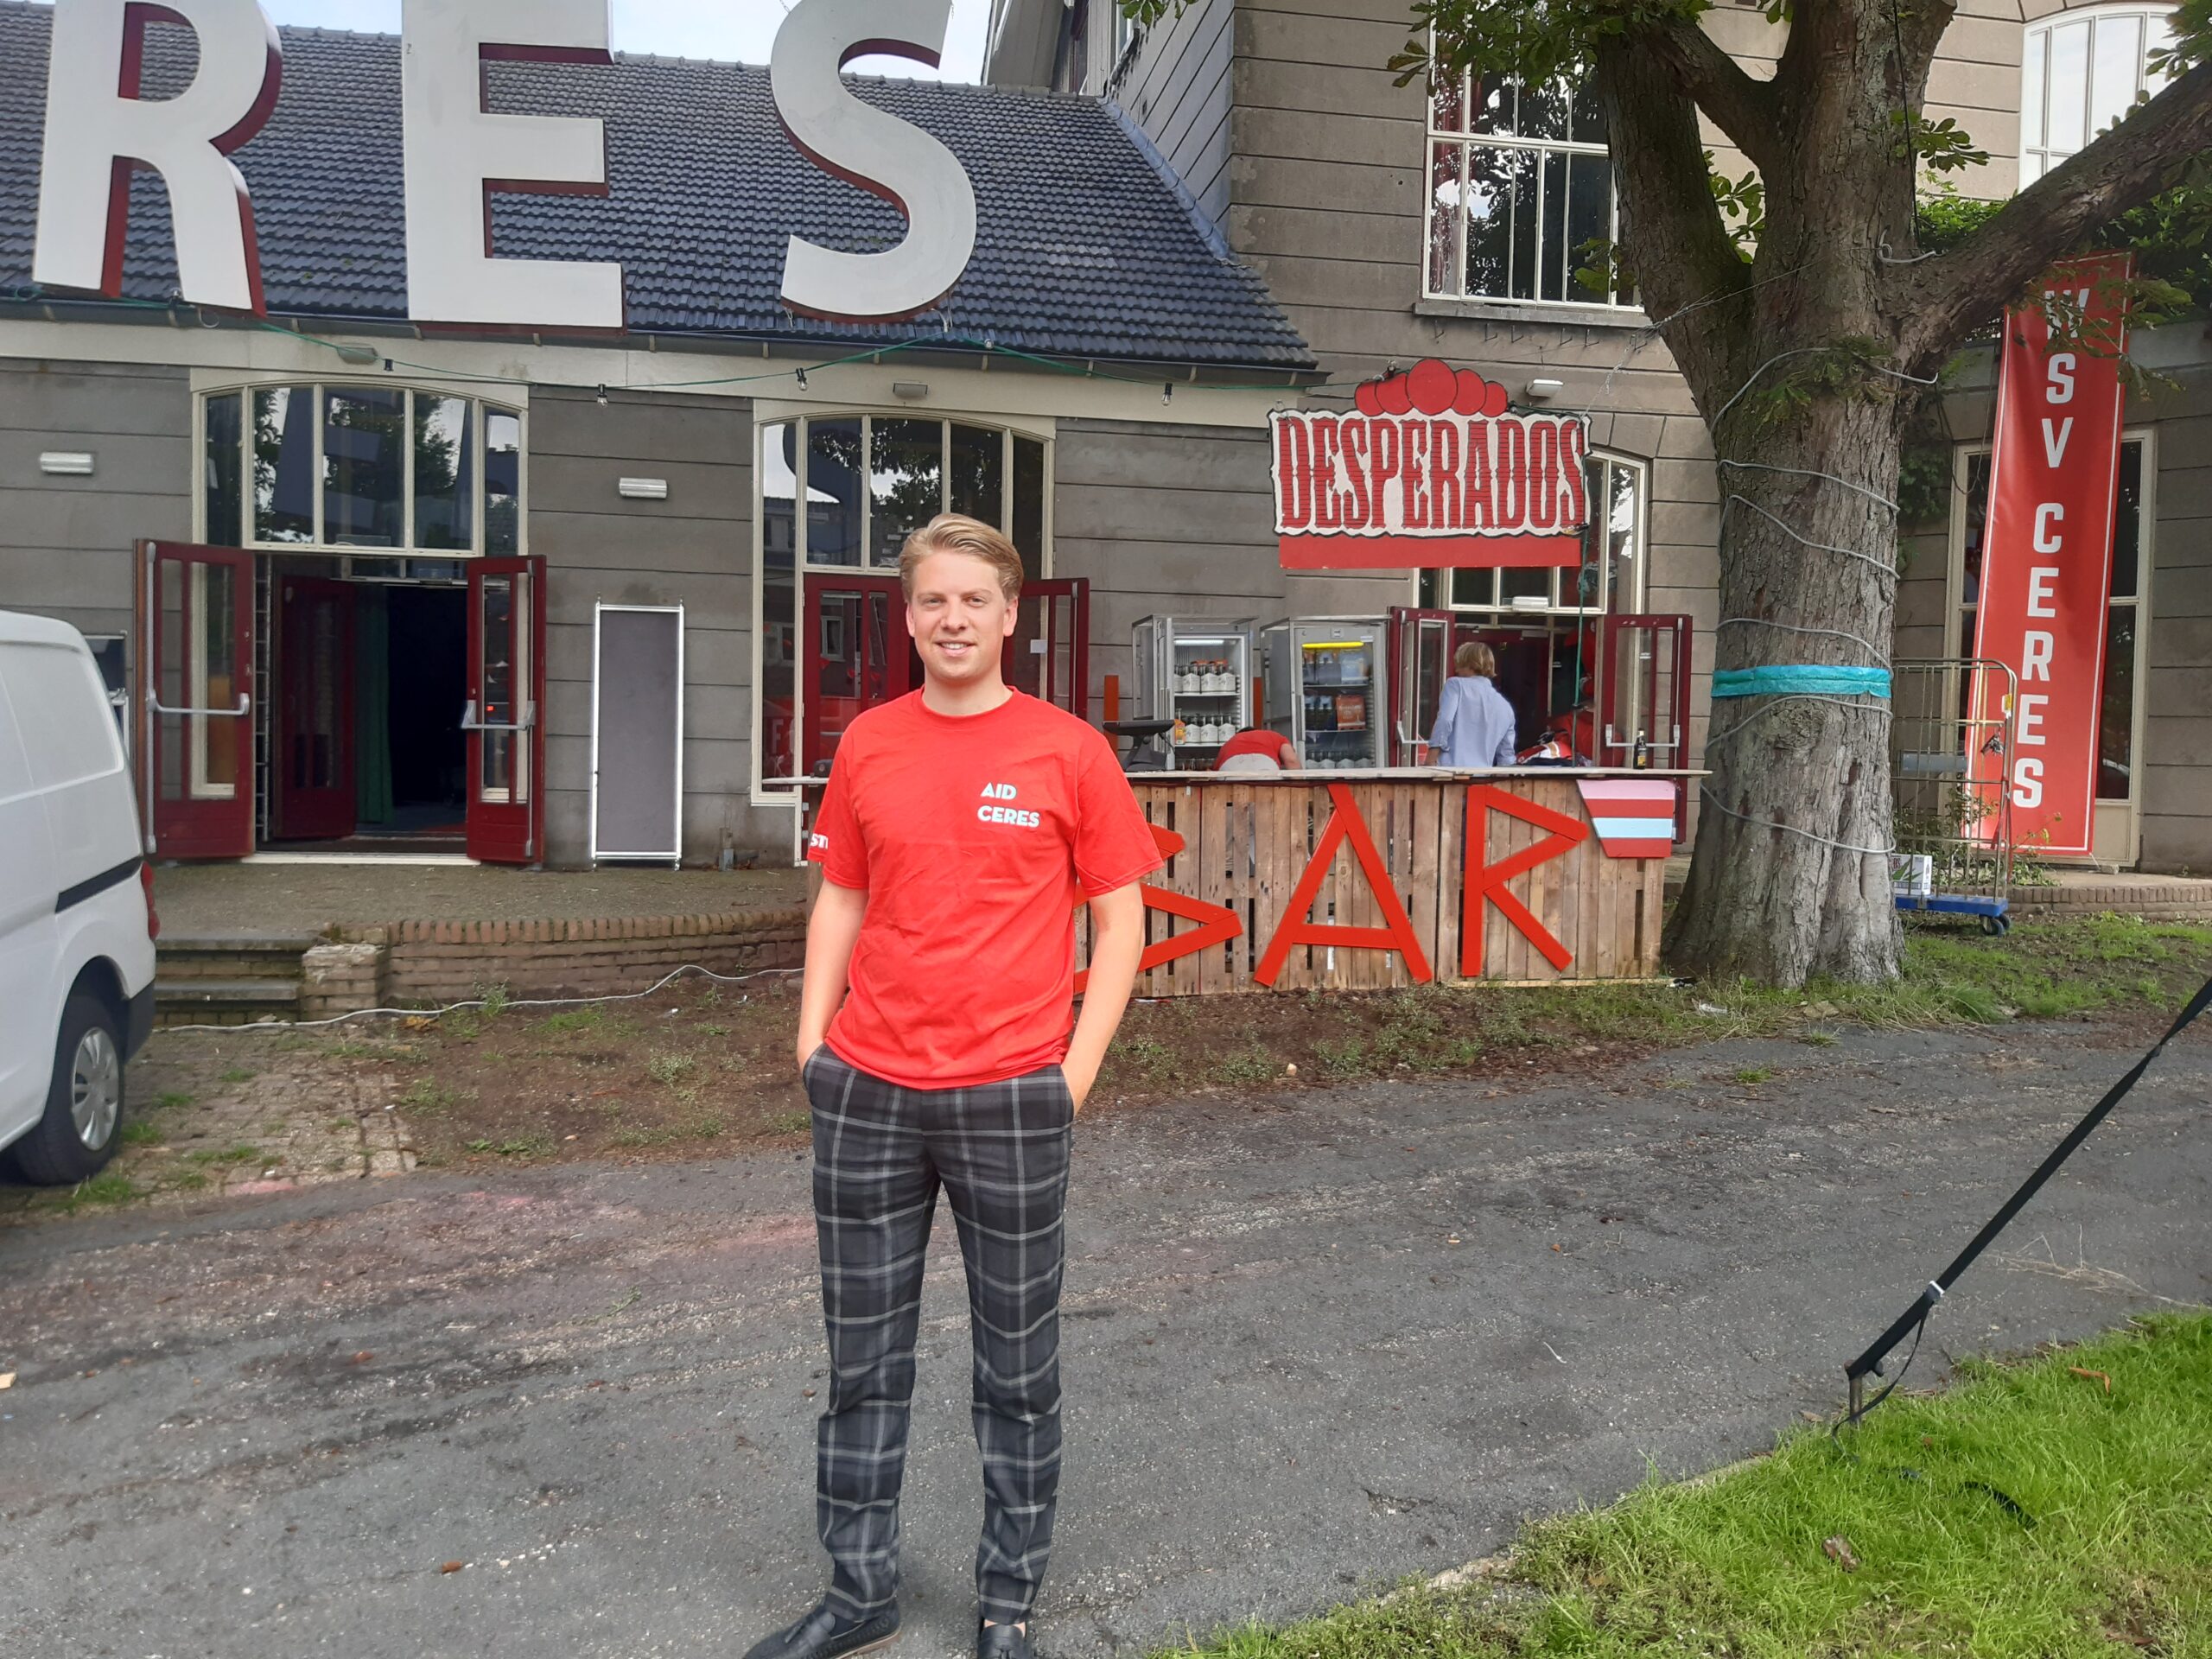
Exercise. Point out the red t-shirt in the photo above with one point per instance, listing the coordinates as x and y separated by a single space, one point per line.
1256 741
975 838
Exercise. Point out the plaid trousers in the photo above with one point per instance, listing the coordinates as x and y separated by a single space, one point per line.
881 1153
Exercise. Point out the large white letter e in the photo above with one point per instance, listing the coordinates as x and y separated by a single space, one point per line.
879 153
98 128
457 151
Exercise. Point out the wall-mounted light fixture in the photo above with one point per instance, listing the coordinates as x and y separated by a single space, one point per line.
913 391
66 463
360 356
644 489
1542 391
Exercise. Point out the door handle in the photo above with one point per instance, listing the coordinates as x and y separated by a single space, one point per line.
246 703
469 722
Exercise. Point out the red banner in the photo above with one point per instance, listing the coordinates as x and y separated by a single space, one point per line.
1432 469
2046 562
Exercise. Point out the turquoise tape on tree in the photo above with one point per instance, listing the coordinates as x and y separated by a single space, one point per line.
1801 679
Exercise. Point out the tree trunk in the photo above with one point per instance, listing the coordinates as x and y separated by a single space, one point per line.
1790 879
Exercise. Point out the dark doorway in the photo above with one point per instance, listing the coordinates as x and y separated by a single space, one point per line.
368 754
426 648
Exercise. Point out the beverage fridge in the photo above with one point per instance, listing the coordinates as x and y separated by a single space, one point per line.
1325 689
1196 671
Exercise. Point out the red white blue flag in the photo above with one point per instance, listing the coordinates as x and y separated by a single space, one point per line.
1634 816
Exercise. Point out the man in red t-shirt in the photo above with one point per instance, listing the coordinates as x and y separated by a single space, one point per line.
1259 741
961 828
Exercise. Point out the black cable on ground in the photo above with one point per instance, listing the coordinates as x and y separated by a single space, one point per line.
1913 1321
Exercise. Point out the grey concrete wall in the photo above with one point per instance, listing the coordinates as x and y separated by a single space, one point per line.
66 542
2177 741
1181 519
1328 194
695 550
1176 86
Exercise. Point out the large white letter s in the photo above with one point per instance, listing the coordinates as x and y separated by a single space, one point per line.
457 151
98 128
879 153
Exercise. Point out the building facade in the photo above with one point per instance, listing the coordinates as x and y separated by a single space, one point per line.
1393 224
369 586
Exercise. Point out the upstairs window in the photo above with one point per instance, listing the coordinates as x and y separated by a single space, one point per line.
2081 72
1520 184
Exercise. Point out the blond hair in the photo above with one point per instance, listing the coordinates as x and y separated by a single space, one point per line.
1476 657
955 532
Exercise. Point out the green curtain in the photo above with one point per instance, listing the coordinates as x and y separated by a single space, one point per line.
372 707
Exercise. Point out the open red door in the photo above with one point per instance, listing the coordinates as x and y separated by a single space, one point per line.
854 655
195 681
311 795
506 691
1643 697
1421 662
1049 656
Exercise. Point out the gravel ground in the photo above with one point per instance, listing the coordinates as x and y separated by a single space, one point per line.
1314 1341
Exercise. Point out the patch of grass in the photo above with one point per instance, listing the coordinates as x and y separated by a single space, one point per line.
1249 1065
190 1180
238 1074
494 998
1818 1038
140 1133
1754 1074
574 1020
789 1123
668 1069
2115 1554
226 1155
172 1102
109 1188
528 1146
462 1025
427 1098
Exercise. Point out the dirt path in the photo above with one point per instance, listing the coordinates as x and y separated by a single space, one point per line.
1314 1340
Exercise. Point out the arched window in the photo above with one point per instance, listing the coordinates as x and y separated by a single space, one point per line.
2082 71
367 469
828 571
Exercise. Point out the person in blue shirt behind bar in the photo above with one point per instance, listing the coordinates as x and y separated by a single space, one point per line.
1474 724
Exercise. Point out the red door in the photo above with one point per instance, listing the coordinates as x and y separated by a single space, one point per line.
1049 656
311 794
854 655
506 691
1420 661
1643 695
195 676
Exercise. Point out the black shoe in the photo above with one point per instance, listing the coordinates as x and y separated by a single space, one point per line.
1003 1642
823 1635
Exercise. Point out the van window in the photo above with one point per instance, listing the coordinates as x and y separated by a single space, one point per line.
14 771
61 714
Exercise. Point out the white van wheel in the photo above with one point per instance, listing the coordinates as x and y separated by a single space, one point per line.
84 1106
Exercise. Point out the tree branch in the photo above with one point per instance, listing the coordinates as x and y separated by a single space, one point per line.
1741 105
1939 302
1672 230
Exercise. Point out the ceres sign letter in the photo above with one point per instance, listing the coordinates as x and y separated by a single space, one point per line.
98 129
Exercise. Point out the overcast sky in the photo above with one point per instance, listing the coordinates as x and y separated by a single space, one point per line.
739 31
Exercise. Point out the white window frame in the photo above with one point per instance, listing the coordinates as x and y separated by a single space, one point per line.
1466 142
480 411
1563 579
1954 593
2038 155
768 418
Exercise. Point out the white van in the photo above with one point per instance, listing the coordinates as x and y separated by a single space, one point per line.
77 922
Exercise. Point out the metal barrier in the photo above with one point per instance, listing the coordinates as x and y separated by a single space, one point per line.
1952 737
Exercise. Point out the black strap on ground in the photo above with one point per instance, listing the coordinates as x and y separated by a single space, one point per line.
1914 1319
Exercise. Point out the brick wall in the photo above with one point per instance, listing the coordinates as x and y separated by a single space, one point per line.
436 964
